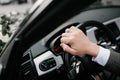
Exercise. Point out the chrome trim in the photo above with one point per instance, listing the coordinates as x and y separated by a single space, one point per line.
116 20
91 34
45 56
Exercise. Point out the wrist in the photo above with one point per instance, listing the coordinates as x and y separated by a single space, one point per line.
93 50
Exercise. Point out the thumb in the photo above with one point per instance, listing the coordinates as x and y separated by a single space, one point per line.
67 48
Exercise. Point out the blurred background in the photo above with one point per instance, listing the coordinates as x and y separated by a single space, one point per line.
22 5
111 2
12 12
7 6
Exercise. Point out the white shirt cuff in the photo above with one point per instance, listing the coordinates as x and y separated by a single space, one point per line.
102 57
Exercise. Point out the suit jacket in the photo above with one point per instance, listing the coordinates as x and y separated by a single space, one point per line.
113 64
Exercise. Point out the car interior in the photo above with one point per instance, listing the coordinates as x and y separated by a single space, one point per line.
34 52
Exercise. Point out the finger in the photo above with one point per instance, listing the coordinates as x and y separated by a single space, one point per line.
73 29
65 40
65 34
67 48
67 30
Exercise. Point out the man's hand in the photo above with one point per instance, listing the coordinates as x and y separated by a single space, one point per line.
74 41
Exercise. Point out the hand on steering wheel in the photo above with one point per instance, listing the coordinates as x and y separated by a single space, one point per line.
74 41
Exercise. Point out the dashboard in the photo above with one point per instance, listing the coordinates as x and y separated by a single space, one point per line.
46 55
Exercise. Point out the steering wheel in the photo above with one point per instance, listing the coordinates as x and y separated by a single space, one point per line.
78 67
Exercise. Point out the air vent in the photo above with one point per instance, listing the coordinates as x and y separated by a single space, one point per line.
27 67
26 57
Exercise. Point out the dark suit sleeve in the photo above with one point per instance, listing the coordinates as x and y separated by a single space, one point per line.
113 64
